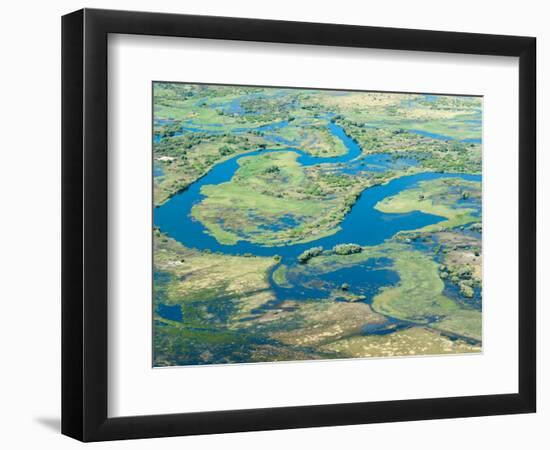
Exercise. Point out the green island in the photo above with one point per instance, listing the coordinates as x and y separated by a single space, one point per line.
440 197
298 224
274 189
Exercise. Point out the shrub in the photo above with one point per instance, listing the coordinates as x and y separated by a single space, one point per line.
310 253
347 249
272 169
466 290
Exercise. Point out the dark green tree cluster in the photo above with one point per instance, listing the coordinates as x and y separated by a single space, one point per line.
272 169
310 253
347 249
225 150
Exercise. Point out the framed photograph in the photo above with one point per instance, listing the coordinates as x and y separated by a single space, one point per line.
273 224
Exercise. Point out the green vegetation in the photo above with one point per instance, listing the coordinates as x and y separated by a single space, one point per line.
272 200
313 138
347 249
232 288
177 103
213 291
433 154
279 276
186 158
316 324
439 197
453 116
418 297
305 256
408 342
211 307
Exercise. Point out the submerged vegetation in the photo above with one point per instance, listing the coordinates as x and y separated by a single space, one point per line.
260 262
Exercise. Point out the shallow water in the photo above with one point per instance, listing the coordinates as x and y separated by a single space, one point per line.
363 225
170 312
363 279
157 171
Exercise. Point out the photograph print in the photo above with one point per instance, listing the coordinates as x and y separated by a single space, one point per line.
311 224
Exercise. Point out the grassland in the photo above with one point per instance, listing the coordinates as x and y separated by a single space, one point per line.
272 200
202 275
453 116
279 276
175 103
440 197
409 342
224 305
310 136
186 158
322 322
459 254
212 291
219 295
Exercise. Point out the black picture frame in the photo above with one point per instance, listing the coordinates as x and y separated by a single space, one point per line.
84 224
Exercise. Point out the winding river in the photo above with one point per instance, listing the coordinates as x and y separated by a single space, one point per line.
363 225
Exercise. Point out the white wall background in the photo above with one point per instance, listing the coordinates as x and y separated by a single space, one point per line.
30 229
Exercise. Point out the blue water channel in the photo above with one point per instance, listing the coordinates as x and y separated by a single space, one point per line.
443 137
189 127
363 225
